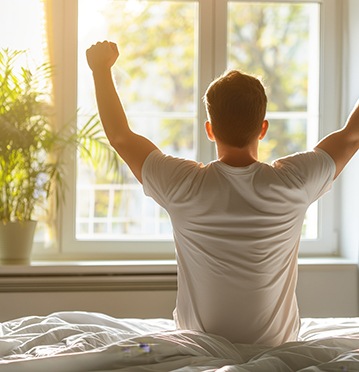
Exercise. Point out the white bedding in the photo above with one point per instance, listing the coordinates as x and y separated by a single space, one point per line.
81 341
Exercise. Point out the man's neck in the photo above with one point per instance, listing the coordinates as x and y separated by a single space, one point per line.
237 156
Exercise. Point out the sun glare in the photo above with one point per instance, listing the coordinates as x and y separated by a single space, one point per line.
22 27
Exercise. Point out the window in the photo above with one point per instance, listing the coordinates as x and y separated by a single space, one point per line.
169 52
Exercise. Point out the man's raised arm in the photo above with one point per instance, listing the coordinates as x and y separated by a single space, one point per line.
131 147
344 143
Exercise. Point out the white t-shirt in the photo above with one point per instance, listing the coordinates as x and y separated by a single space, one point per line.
236 231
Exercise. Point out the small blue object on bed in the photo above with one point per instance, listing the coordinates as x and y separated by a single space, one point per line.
82 341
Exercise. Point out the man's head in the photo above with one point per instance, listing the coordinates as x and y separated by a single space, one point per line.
236 106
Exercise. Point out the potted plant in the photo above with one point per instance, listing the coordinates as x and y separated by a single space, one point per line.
32 153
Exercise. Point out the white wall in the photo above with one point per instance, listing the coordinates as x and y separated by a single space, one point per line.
119 304
326 290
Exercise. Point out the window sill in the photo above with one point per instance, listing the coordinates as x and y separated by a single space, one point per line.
329 263
137 267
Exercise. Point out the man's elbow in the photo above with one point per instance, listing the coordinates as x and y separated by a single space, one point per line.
122 143
118 140
117 143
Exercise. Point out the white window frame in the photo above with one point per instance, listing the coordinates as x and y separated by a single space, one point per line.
212 26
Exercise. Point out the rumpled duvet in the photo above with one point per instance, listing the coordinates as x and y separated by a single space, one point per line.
83 341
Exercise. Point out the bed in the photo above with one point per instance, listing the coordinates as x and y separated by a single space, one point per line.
84 341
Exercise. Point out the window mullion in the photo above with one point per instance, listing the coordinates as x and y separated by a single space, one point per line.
220 36
69 109
206 73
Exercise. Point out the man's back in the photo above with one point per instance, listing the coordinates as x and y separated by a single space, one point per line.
237 232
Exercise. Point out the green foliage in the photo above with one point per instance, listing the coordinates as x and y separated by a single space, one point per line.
158 57
32 153
271 41
156 40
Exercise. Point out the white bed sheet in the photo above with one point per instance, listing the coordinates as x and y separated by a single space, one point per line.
82 341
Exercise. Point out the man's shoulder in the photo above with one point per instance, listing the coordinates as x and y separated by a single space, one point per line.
167 177
306 168
306 159
161 167
158 158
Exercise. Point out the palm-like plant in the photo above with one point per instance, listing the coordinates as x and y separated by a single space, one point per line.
31 151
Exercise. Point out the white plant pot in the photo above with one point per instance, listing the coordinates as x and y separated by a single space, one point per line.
16 240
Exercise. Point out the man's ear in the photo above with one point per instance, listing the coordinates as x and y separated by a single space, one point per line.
209 131
265 126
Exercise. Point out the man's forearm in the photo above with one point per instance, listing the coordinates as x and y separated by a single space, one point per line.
111 112
352 125
344 143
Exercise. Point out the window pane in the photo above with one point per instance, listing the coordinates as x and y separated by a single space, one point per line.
280 43
156 76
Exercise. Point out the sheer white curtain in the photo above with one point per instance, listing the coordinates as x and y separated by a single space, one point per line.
24 27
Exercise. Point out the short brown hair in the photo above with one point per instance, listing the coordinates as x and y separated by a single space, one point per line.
236 106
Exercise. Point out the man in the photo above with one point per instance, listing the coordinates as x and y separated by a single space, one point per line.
236 221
